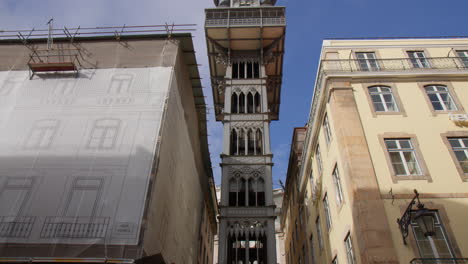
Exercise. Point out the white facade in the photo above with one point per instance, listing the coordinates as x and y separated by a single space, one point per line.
91 138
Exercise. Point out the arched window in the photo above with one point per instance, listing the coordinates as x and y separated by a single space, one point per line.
250 103
241 197
257 103
241 103
258 142
250 142
233 191
260 192
256 187
383 99
252 194
440 97
242 142
234 103
233 147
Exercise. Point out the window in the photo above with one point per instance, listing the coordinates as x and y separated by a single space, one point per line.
246 141
349 249
312 253
367 61
382 99
83 197
239 106
255 195
338 187
237 186
436 246
460 149
418 59
335 260
319 233
319 159
463 55
403 157
326 207
326 128
104 134
14 195
42 134
440 98
120 83
245 70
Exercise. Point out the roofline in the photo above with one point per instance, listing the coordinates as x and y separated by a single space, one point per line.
101 37
399 38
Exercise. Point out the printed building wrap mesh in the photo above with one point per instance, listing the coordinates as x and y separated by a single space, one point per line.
76 155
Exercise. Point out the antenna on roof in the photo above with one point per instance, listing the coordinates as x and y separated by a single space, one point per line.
50 39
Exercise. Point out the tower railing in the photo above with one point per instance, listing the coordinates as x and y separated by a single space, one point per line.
271 16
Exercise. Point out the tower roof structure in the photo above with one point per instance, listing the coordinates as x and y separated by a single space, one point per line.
242 28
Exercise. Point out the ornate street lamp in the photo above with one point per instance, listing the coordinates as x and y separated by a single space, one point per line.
423 216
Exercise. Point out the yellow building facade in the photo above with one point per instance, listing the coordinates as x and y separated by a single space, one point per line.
388 117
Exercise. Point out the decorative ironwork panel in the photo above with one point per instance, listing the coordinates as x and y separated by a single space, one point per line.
18 227
75 227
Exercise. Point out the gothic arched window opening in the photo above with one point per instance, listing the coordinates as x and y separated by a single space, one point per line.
234 103
245 103
257 103
246 141
250 103
241 103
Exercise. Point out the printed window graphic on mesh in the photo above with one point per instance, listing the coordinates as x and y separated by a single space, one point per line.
104 134
42 134
120 83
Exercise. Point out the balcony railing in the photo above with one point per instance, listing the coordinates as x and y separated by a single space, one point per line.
400 64
18 227
245 17
439 261
75 227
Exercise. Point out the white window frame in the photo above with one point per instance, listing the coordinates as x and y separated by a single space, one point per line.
439 227
338 186
349 249
418 59
463 148
463 55
367 59
326 128
319 232
401 152
318 157
434 89
326 207
381 93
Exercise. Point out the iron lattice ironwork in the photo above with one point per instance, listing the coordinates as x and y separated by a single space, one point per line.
439 261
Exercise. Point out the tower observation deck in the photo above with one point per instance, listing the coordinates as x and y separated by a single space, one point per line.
245 40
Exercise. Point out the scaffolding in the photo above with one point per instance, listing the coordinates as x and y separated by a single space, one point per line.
57 59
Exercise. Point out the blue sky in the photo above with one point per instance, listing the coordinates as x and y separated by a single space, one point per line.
309 22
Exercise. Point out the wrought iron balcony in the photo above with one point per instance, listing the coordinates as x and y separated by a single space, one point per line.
75 227
399 64
439 261
271 16
16 226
